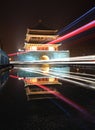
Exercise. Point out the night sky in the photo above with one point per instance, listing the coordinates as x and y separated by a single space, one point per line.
18 15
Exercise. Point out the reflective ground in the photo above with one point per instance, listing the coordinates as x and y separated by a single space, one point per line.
67 103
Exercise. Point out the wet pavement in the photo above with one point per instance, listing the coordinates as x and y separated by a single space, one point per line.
16 113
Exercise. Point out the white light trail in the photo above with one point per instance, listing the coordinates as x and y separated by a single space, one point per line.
76 73
68 78
52 62
33 71
67 60
73 78
84 79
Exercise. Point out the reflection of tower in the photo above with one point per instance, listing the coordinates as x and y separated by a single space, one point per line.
34 43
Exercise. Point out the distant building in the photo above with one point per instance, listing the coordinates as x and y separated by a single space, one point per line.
36 49
35 38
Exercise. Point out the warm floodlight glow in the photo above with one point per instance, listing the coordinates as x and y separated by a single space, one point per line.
69 35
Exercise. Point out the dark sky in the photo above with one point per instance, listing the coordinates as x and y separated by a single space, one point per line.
17 15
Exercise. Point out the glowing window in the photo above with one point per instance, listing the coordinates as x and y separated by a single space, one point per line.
34 48
51 48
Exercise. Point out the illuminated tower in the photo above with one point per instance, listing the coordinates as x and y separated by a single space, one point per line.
36 49
35 38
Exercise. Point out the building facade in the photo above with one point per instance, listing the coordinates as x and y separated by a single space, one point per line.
37 49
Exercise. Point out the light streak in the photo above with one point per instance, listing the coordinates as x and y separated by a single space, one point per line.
64 37
83 58
60 107
18 53
90 75
70 74
72 79
77 20
15 77
63 98
52 74
87 80
34 71
52 62
74 33
68 78
78 58
75 73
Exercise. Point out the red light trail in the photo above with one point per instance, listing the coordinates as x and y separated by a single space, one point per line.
60 96
18 53
69 35
75 32
13 76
